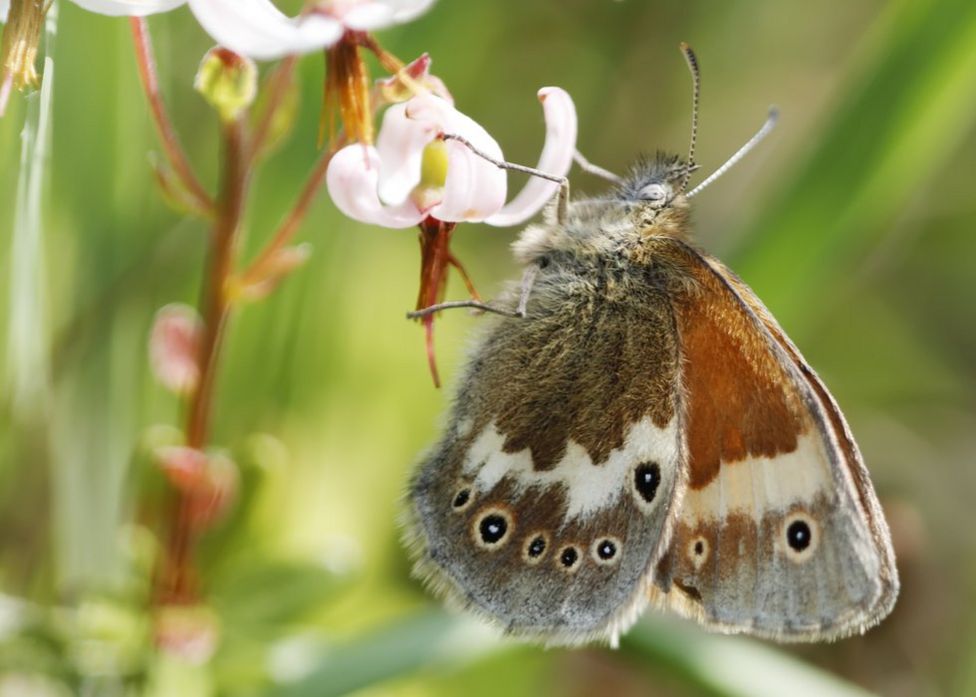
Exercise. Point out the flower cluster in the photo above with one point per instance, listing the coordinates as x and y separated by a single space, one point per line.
429 166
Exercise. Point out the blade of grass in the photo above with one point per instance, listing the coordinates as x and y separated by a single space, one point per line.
399 649
898 120
716 665
727 666
27 357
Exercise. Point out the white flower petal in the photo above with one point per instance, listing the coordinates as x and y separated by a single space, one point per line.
475 188
377 14
406 10
556 158
368 16
4 6
256 28
132 8
352 182
400 147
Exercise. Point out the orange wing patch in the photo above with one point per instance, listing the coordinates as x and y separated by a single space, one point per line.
739 400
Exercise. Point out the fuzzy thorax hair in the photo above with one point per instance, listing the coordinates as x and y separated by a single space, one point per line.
648 203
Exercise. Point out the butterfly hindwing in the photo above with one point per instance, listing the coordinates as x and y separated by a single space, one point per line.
549 499
780 533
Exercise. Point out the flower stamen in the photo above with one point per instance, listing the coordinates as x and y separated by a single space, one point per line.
347 91
18 52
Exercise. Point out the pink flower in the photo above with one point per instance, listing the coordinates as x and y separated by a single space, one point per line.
412 173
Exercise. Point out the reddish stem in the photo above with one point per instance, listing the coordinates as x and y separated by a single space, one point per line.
295 216
178 578
167 134
468 283
276 87
435 256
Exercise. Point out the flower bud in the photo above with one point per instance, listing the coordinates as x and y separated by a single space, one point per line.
228 81
174 348
190 632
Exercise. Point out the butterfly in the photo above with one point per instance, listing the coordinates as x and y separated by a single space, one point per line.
634 428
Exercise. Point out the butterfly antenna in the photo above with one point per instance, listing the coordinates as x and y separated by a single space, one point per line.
741 152
696 87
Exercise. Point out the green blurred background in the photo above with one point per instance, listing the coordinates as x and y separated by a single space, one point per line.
854 222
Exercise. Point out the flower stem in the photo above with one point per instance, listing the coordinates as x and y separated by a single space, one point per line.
178 577
295 216
167 134
277 86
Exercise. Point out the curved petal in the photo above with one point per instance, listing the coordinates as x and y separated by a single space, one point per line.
352 180
405 10
377 14
133 8
556 158
475 188
400 146
256 28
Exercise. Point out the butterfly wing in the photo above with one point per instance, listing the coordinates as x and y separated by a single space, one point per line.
549 499
780 533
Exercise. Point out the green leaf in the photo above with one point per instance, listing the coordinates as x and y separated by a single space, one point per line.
264 596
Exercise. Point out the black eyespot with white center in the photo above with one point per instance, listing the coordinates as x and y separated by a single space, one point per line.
462 498
605 550
698 550
798 535
647 479
569 558
492 528
535 547
801 535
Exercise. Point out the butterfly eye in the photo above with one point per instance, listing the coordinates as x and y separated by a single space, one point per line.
802 535
606 551
654 193
569 558
492 528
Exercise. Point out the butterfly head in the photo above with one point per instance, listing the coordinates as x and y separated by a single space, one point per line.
653 194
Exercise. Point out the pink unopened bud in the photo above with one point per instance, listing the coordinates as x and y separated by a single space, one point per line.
174 348
212 501
413 79
189 632
185 468
209 481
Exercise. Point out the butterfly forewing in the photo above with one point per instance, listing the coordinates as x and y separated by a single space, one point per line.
780 533
547 502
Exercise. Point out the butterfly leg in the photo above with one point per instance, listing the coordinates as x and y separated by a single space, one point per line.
528 279
453 304
562 199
